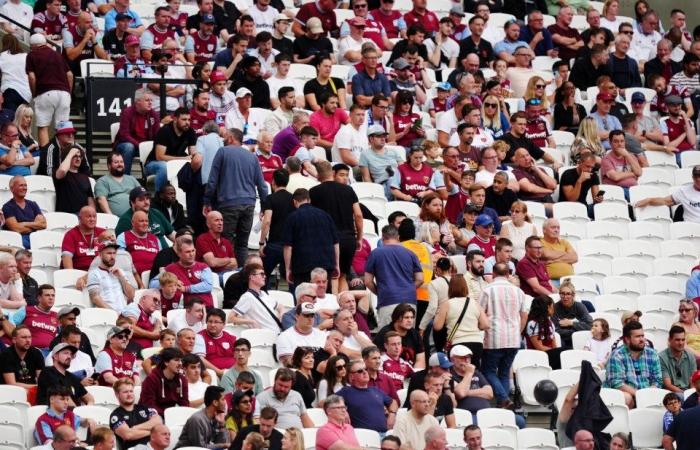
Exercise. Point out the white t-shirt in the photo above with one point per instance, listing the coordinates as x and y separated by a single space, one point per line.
349 137
689 197
256 119
19 12
250 307
482 139
178 322
485 178
611 25
352 343
275 84
108 286
266 64
196 391
346 44
448 123
290 339
264 20
13 74
330 301
449 49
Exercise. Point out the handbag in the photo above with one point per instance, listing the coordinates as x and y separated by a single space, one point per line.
448 343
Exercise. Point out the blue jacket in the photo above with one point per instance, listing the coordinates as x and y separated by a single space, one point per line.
234 176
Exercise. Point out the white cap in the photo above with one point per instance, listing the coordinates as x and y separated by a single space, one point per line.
37 39
242 92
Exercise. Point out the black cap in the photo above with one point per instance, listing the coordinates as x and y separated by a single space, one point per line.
122 16
138 192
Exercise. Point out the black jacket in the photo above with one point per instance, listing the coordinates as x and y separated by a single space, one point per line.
584 75
178 217
591 413
655 66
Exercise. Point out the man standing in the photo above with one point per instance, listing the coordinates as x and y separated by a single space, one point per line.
634 365
112 189
51 83
106 284
557 253
131 422
504 305
205 428
310 240
235 175
412 426
275 209
677 362
392 273
532 272
289 403
341 203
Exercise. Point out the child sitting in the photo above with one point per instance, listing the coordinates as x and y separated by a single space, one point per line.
170 294
673 407
439 103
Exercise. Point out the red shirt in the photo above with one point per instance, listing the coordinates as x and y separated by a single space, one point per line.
439 105
488 248
428 20
204 47
537 132
373 31
189 276
388 21
414 181
396 369
527 269
71 20
122 366
160 36
83 248
309 10
206 243
455 205
673 130
144 322
51 26
269 164
43 326
197 120
53 421
172 303
219 349
143 250
401 123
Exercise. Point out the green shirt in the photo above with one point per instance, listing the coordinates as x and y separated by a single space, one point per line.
679 371
228 380
116 193
157 224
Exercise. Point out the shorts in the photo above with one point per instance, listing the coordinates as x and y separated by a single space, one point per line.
347 246
51 107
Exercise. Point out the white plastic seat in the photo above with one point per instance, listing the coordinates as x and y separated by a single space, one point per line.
670 287
12 424
98 318
33 413
302 72
496 439
455 438
172 168
66 278
656 330
46 240
317 416
176 416
369 439
259 337
632 267
611 212
529 357
613 193
368 190
656 176
690 158
408 208
536 209
460 263
614 304
672 267
595 268
70 297
585 287
104 396
606 232
621 285
463 418
537 438
499 419
639 192
686 231
262 361
145 149
638 248
679 250
648 231
571 359
402 394
309 438
99 414
580 338
572 231
651 398
646 427
282 297
571 211
564 379
11 238
615 401
377 206
60 221
175 433
662 305
527 375
683 176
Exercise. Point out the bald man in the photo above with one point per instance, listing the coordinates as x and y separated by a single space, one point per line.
160 439
80 42
79 245
583 440
213 249
435 438
64 438
139 242
412 426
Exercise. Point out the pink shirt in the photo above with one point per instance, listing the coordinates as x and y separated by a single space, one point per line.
612 162
328 126
330 433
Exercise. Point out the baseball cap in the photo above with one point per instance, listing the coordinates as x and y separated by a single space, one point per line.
695 377
439 359
64 127
314 25
131 40
67 310
108 243
638 97
605 96
306 309
400 64
122 16
115 330
138 192
627 314
460 350
357 22
457 10
673 100
444 86
375 130
280 17
37 39
242 92
216 76
483 220
208 18
62 346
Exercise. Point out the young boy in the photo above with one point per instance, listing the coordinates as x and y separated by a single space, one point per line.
673 407
58 414
439 103
191 364
456 202
170 295
308 137
167 340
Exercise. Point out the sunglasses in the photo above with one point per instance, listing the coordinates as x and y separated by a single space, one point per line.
490 105
363 370
540 86
341 367
684 309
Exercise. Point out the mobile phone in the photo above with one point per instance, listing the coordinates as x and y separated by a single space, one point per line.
600 193
95 376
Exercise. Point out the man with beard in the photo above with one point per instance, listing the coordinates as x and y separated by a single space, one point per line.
175 141
200 112
165 386
266 426
205 428
58 375
112 190
281 117
106 284
132 423
202 44
677 128
21 363
115 362
634 365
288 403
249 75
195 277
166 202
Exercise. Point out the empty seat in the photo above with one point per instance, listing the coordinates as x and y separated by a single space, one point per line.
571 211
651 398
679 250
633 267
639 248
408 208
596 248
649 231
660 285
11 238
646 426
60 221
595 268
606 231
536 438
686 231
615 401
611 212
580 338
571 359
662 305
673 267
67 278
627 286
499 419
615 304
572 231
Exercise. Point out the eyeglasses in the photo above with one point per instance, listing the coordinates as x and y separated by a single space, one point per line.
122 336
490 105
359 6
12 135
629 33
240 350
363 370
338 407
540 86
516 211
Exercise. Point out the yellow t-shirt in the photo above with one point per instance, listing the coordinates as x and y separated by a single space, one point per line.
231 424
558 269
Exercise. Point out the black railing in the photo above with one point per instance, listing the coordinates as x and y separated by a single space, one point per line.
27 29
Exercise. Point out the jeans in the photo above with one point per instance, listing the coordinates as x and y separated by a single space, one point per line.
495 365
238 221
128 150
12 99
273 258
160 170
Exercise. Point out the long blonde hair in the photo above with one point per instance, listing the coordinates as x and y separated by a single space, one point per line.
588 133
530 92
493 123
607 4
23 110
297 437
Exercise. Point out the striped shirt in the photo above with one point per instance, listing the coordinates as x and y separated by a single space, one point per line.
502 302
641 373
682 80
